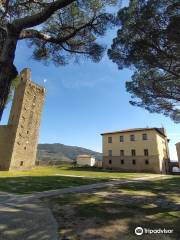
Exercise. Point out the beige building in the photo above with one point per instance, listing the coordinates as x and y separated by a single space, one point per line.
178 152
136 150
18 139
98 163
86 160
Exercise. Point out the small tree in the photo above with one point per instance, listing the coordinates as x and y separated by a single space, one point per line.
149 41
56 29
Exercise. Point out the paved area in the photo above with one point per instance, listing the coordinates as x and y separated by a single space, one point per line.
23 217
28 220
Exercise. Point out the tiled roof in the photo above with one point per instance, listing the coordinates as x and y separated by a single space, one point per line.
159 130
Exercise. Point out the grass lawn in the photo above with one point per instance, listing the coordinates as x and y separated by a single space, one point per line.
48 178
114 213
68 169
31 184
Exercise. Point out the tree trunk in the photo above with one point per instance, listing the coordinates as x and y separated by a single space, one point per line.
7 69
7 74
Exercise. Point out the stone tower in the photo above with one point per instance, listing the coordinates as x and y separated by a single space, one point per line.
18 139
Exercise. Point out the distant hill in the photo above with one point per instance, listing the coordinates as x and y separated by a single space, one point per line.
61 152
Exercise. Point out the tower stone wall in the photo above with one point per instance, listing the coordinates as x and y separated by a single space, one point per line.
18 139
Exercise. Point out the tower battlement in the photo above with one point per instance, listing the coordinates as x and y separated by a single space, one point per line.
23 125
25 75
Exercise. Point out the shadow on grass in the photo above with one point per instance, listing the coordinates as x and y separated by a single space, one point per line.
159 187
116 213
115 216
30 184
96 169
85 168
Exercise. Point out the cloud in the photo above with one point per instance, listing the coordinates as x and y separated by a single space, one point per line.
75 83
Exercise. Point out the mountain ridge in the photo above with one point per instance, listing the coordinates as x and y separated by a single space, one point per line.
62 152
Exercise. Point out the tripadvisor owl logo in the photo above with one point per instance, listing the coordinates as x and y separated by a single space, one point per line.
139 231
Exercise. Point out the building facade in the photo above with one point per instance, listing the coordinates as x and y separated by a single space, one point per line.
87 160
18 139
136 150
98 163
178 152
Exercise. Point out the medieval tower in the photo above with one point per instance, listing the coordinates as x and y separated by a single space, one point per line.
18 139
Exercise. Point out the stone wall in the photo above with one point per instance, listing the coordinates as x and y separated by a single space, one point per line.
23 125
6 146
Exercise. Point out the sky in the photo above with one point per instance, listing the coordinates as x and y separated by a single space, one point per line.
86 99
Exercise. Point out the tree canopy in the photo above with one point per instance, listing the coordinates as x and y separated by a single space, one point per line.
56 30
148 41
